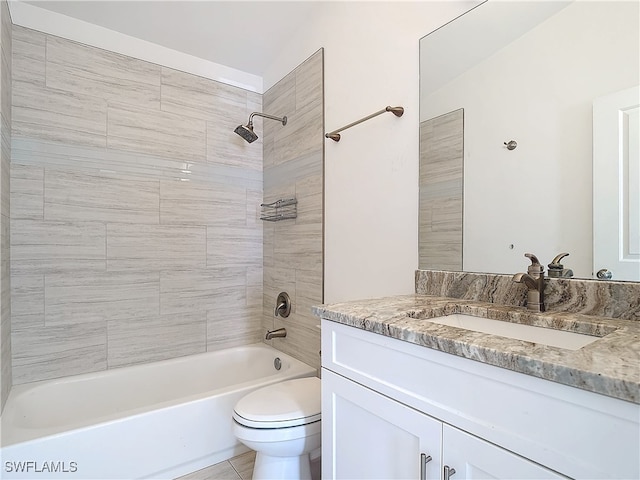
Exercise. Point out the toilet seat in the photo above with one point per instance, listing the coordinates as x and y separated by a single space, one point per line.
286 404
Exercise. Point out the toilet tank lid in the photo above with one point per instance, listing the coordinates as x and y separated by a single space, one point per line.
281 402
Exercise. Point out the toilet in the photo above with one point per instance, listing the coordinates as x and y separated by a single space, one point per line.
281 423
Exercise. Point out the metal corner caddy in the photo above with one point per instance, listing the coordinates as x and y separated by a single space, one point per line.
282 209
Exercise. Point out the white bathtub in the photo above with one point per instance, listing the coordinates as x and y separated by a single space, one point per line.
158 420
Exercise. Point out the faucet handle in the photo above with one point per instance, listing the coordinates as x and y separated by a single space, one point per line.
557 270
556 261
533 258
535 268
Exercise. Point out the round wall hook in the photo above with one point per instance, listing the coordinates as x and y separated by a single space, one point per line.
511 145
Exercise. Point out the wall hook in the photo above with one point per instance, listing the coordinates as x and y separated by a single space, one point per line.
511 145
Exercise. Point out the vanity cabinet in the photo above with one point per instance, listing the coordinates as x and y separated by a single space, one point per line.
375 437
388 404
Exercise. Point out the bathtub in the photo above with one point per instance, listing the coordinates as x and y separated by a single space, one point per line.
159 420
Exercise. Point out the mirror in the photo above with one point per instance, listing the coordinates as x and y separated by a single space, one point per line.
527 72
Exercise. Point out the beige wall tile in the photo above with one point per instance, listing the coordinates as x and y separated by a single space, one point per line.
5 245
234 246
77 196
308 291
200 97
78 68
27 192
309 76
53 247
233 325
280 278
29 55
254 286
293 158
51 352
5 361
225 147
441 192
155 247
300 245
441 144
25 322
27 296
309 192
155 338
58 116
302 341
5 166
6 73
198 291
254 199
83 298
89 249
156 133
303 135
7 34
202 203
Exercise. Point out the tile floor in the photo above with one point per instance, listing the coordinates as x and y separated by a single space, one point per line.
237 468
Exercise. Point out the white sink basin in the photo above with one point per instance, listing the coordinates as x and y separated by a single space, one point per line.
545 336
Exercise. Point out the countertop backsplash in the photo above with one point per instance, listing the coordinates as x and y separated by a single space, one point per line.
587 297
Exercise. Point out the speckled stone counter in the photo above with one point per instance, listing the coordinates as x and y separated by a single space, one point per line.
609 366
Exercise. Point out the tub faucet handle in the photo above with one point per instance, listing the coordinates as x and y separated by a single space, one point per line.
283 305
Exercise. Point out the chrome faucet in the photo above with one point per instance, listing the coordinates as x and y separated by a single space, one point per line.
534 280
279 333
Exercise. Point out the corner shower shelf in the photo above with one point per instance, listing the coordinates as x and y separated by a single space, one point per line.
282 209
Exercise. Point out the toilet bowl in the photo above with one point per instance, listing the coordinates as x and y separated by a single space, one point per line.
281 423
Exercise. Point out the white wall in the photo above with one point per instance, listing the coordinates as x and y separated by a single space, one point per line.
371 175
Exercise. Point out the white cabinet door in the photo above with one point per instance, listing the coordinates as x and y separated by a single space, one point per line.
472 458
366 435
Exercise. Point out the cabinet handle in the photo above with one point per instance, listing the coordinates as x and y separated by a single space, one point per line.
424 459
448 472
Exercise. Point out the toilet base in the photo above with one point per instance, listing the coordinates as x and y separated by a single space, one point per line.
282 468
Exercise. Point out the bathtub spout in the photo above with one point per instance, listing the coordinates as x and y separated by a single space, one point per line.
279 333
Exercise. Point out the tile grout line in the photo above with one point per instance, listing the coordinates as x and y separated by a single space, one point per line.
235 470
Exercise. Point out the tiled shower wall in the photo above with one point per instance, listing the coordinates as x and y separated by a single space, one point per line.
293 167
5 157
134 211
441 192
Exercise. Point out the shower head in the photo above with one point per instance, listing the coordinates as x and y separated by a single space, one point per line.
246 131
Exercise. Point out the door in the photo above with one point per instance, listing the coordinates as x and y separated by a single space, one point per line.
366 435
616 185
468 457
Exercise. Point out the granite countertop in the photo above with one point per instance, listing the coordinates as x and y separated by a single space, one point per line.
609 366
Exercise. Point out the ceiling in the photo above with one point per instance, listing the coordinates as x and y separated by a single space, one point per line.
245 35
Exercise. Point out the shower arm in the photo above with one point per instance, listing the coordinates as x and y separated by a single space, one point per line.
283 120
